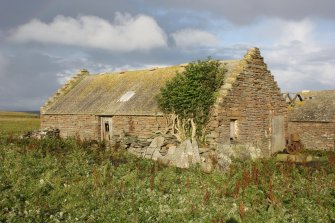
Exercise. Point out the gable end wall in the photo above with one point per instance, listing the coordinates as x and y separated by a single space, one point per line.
253 98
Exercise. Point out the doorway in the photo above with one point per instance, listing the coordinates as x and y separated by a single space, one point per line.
278 134
106 128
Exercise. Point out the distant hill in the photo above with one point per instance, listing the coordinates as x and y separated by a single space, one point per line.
34 112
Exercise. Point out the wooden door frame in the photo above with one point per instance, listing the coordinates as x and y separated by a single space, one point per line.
277 133
106 120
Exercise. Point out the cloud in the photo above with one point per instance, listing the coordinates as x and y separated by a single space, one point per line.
126 33
246 12
194 38
299 59
3 64
298 53
27 78
296 44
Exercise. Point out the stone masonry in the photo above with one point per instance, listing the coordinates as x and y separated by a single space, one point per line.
315 135
83 126
251 97
141 126
88 126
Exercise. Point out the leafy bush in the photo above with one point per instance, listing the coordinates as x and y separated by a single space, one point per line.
191 93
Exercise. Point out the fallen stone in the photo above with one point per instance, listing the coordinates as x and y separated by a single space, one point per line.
244 152
196 154
149 152
223 161
206 167
171 150
164 160
155 145
157 142
178 156
180 160
156 155
43 133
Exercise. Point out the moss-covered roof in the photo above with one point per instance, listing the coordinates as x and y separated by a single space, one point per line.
318 106
122 93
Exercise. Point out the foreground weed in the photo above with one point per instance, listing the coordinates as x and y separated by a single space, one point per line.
70 180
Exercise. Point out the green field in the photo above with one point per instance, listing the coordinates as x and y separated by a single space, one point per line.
18 122
68 180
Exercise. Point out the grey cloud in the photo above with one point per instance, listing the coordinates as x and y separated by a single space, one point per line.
194 38
27 78
31 72
17 12
296 70
242 12
34 72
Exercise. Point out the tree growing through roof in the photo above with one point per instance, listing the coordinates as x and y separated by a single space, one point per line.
189 97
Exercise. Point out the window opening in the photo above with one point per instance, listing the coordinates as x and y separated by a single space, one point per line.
233 129
106 127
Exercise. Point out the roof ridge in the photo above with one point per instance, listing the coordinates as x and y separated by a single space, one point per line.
154 68
64 89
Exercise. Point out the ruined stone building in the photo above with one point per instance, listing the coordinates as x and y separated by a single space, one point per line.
313 119
249 110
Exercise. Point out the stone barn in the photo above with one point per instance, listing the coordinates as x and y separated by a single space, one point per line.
313 119
249 110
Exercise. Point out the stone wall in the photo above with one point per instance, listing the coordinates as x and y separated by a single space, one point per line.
84 126
168 150
314 135
141 126
252 97
88 126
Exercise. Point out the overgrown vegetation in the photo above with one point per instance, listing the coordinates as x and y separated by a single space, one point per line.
55 180
191 94
69 180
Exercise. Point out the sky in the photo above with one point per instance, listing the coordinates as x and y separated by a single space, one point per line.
44 42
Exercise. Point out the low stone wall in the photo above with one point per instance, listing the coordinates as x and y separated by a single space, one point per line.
166 149
315 135
42 133
83 126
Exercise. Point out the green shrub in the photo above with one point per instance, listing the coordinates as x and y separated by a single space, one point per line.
191 93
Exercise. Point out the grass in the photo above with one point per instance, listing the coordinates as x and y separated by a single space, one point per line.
17 122
68 180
